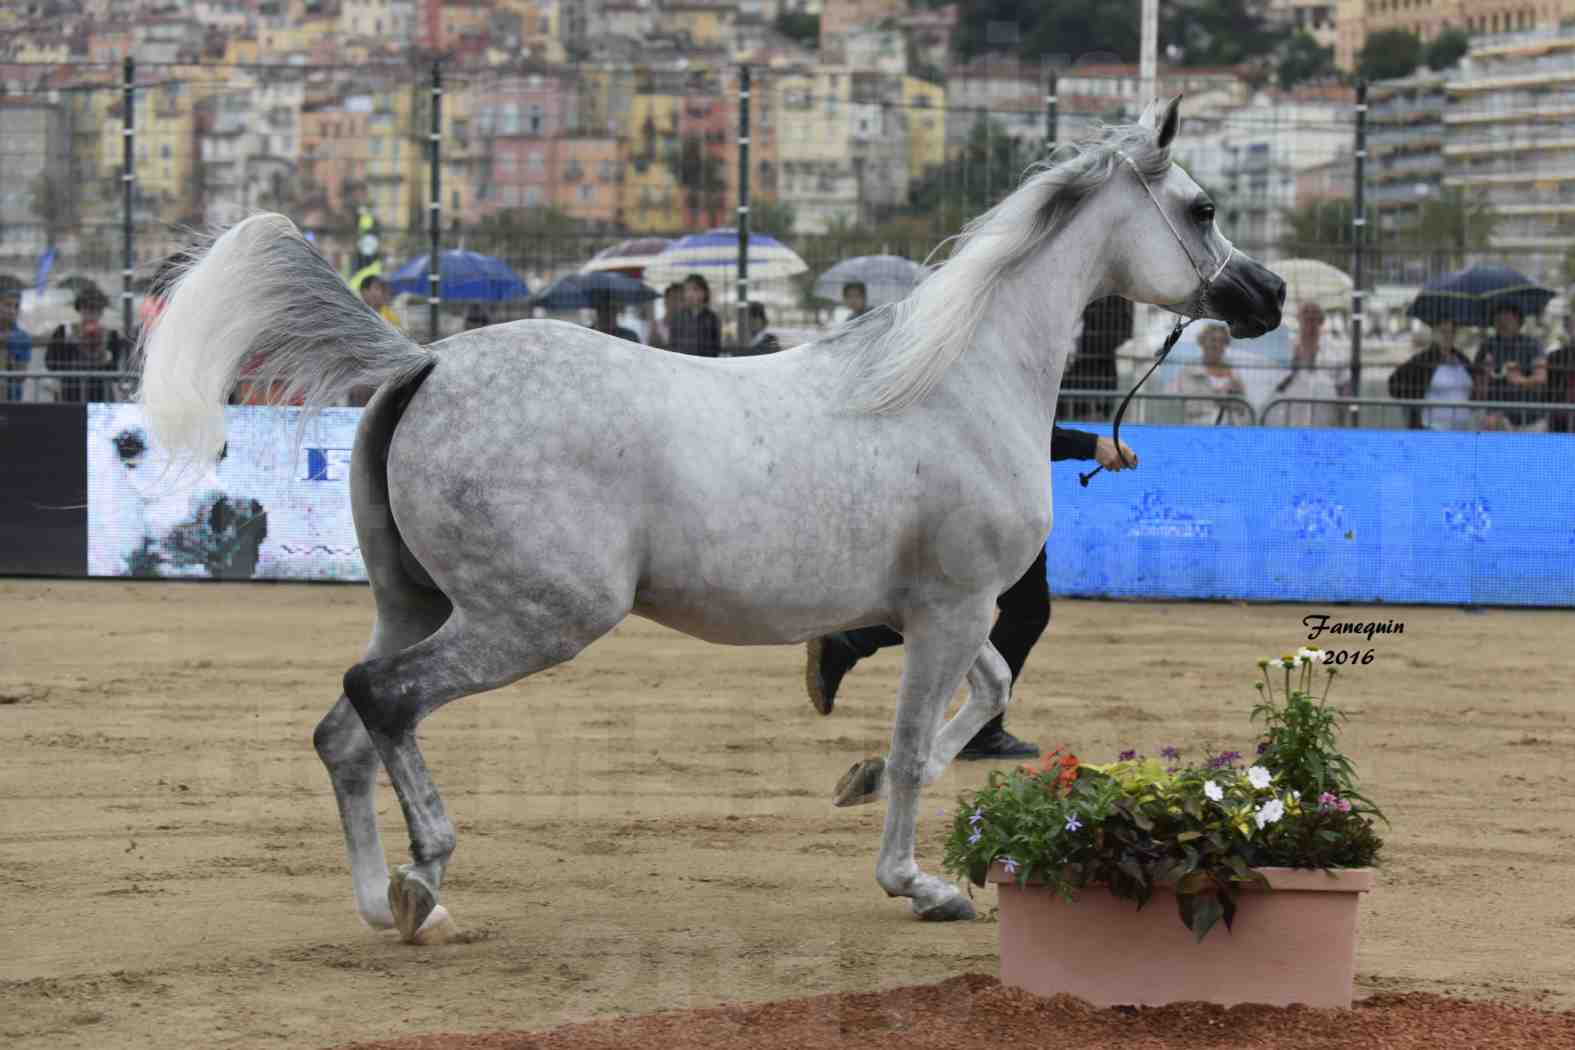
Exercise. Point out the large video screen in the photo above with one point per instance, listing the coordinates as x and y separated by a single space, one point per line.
254 513
1310 515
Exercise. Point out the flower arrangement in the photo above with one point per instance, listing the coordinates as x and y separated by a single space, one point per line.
1140 821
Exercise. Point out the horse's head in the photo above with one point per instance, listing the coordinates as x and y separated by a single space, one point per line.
1166 248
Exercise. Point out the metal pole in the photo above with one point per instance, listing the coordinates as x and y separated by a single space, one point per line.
1358 235
127 177
435 205
1148 58
1051 115
743 208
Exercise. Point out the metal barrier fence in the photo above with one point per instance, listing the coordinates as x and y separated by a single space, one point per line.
1075 406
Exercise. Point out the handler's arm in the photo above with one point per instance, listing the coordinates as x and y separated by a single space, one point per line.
1066 443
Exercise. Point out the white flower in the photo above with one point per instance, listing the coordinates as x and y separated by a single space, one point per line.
1212 790
1270 812
1308 656
1259 777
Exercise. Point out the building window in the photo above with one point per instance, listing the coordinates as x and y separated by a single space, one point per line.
587 193
534 161
532 196
534 119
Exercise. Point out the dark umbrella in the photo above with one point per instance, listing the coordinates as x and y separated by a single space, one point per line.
467 277
1475 295
585 289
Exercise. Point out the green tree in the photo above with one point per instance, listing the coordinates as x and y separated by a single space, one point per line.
989 166
1448 48
1302 59
1454 225
1389 54
800 27
1323 230
771 217
1208 32
1219 32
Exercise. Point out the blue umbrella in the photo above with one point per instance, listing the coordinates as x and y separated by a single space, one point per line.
1473 296
584 289
467 276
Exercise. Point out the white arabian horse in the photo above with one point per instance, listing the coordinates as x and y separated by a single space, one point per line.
519 490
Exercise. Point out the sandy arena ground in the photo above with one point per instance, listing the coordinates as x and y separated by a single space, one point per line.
648 828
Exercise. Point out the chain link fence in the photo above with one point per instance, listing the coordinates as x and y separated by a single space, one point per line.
545 167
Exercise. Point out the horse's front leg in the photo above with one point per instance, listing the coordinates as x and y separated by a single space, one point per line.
941 647
989 689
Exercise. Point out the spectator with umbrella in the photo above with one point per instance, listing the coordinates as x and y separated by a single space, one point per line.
661 327
696 330
1441 372
868 281
602 291
1509 366
761 341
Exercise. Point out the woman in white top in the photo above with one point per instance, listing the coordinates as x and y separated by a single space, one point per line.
1305 379
1439 373
1212 379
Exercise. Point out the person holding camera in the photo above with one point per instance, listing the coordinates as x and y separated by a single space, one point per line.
1510 366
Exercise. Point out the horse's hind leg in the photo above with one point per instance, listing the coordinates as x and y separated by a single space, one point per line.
347 750
392 694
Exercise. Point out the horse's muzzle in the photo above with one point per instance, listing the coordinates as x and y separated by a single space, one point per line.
1248 297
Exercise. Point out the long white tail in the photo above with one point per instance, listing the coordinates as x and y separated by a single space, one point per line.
262 298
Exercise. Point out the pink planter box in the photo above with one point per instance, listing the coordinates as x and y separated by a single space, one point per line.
1296 944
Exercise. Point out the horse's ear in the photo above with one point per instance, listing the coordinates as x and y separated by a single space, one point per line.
1170 123
1146 119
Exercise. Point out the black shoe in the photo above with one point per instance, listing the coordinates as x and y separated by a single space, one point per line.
829 658
995 742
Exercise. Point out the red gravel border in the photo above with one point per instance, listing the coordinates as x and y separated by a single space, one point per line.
976 1011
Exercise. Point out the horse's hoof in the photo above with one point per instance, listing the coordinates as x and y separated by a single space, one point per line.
412 902
437 929
861 784
952 909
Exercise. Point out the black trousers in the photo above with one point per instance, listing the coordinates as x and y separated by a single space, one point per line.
1025 613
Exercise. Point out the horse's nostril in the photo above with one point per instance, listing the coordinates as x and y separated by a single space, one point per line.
1280 295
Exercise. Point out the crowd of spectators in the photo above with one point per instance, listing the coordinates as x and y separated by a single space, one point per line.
1509 367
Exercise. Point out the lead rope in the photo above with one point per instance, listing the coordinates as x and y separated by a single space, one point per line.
1115 429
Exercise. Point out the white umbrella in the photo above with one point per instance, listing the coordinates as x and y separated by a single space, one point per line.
714 255
886 278
631 256
1312 281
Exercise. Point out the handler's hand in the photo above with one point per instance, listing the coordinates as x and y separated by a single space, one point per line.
1106 455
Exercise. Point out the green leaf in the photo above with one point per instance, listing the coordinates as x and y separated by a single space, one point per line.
1189 836
1134 870
1205 913
1193 883
1227 907
977 871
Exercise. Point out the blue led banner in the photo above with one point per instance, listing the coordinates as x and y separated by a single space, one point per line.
1323 515
1263 514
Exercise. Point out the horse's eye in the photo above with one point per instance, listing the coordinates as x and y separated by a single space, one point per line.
1204 213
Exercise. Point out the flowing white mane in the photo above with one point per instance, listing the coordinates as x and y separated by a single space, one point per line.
900 360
